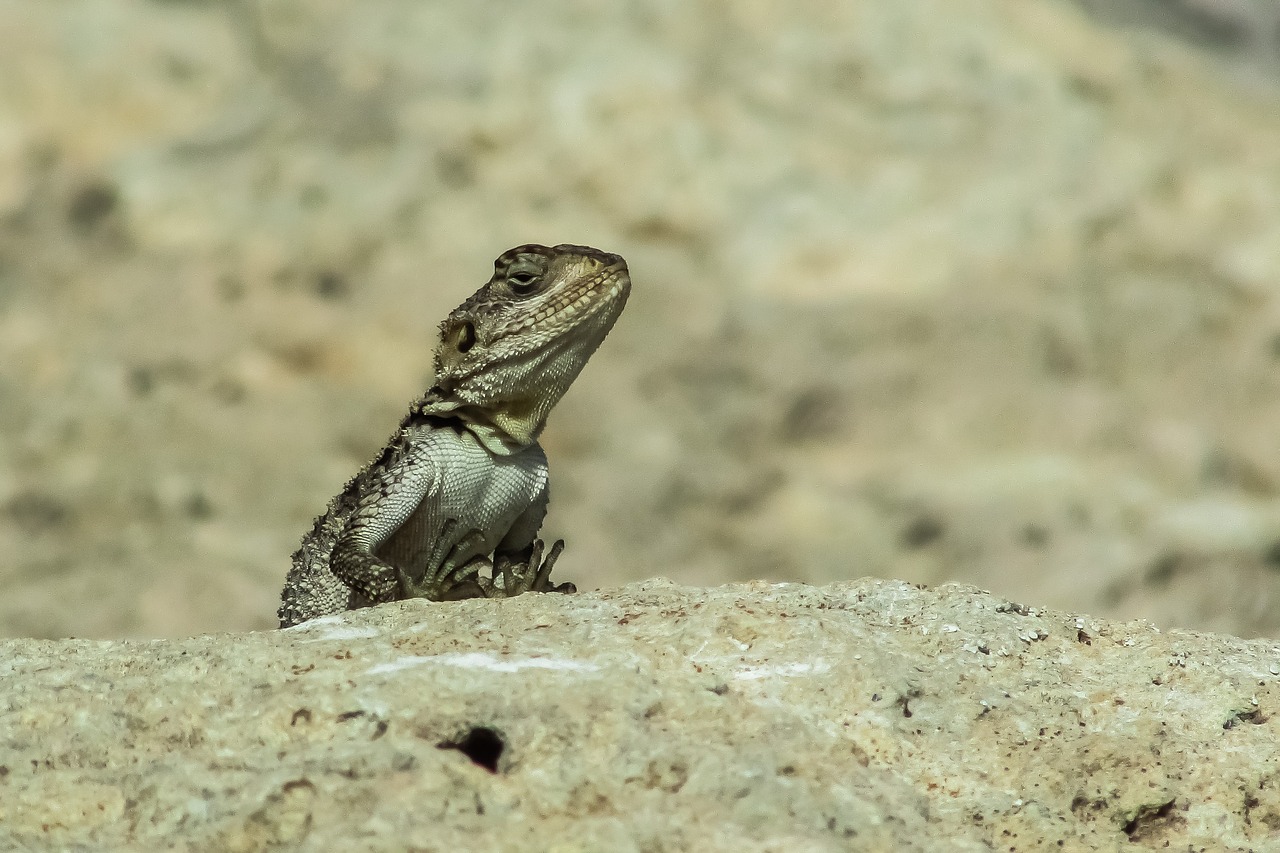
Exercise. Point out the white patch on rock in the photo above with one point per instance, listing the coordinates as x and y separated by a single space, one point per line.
480 660
342 632
785 670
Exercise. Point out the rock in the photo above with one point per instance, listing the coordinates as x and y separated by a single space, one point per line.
872 715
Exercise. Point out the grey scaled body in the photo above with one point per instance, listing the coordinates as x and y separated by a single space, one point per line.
452 506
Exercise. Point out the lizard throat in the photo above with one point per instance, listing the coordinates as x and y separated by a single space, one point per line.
508 428
503 430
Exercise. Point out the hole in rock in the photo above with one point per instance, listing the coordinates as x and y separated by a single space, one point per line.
482 745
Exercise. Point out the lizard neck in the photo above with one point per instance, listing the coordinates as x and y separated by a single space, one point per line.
502 430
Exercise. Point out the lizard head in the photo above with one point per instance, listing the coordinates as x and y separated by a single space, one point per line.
508 354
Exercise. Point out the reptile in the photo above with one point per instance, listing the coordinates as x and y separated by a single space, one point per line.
452 506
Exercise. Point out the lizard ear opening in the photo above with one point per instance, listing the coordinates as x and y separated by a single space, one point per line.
464 336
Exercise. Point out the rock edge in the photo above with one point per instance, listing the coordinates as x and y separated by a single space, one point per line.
869 715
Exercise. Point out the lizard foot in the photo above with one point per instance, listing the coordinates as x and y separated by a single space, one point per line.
526 571
432 589
450 583
463 582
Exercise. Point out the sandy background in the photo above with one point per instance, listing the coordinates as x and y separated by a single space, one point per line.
950 290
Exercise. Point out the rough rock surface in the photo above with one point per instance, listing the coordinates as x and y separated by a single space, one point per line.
871 715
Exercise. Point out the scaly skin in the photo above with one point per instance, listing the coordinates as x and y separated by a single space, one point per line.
461 487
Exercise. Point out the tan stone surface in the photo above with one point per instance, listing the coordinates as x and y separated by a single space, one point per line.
939 290
870 715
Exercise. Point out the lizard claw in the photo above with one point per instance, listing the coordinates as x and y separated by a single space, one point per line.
542 581
527 571
463 582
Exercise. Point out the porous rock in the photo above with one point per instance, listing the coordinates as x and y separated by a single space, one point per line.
871 715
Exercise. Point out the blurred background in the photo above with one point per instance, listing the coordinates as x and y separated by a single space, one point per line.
983 291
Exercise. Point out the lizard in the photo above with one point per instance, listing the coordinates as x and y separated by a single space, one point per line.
461 486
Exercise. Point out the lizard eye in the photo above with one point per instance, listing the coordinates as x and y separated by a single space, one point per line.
522 283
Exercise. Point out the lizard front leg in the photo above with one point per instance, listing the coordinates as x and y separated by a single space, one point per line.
372 579
393 488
